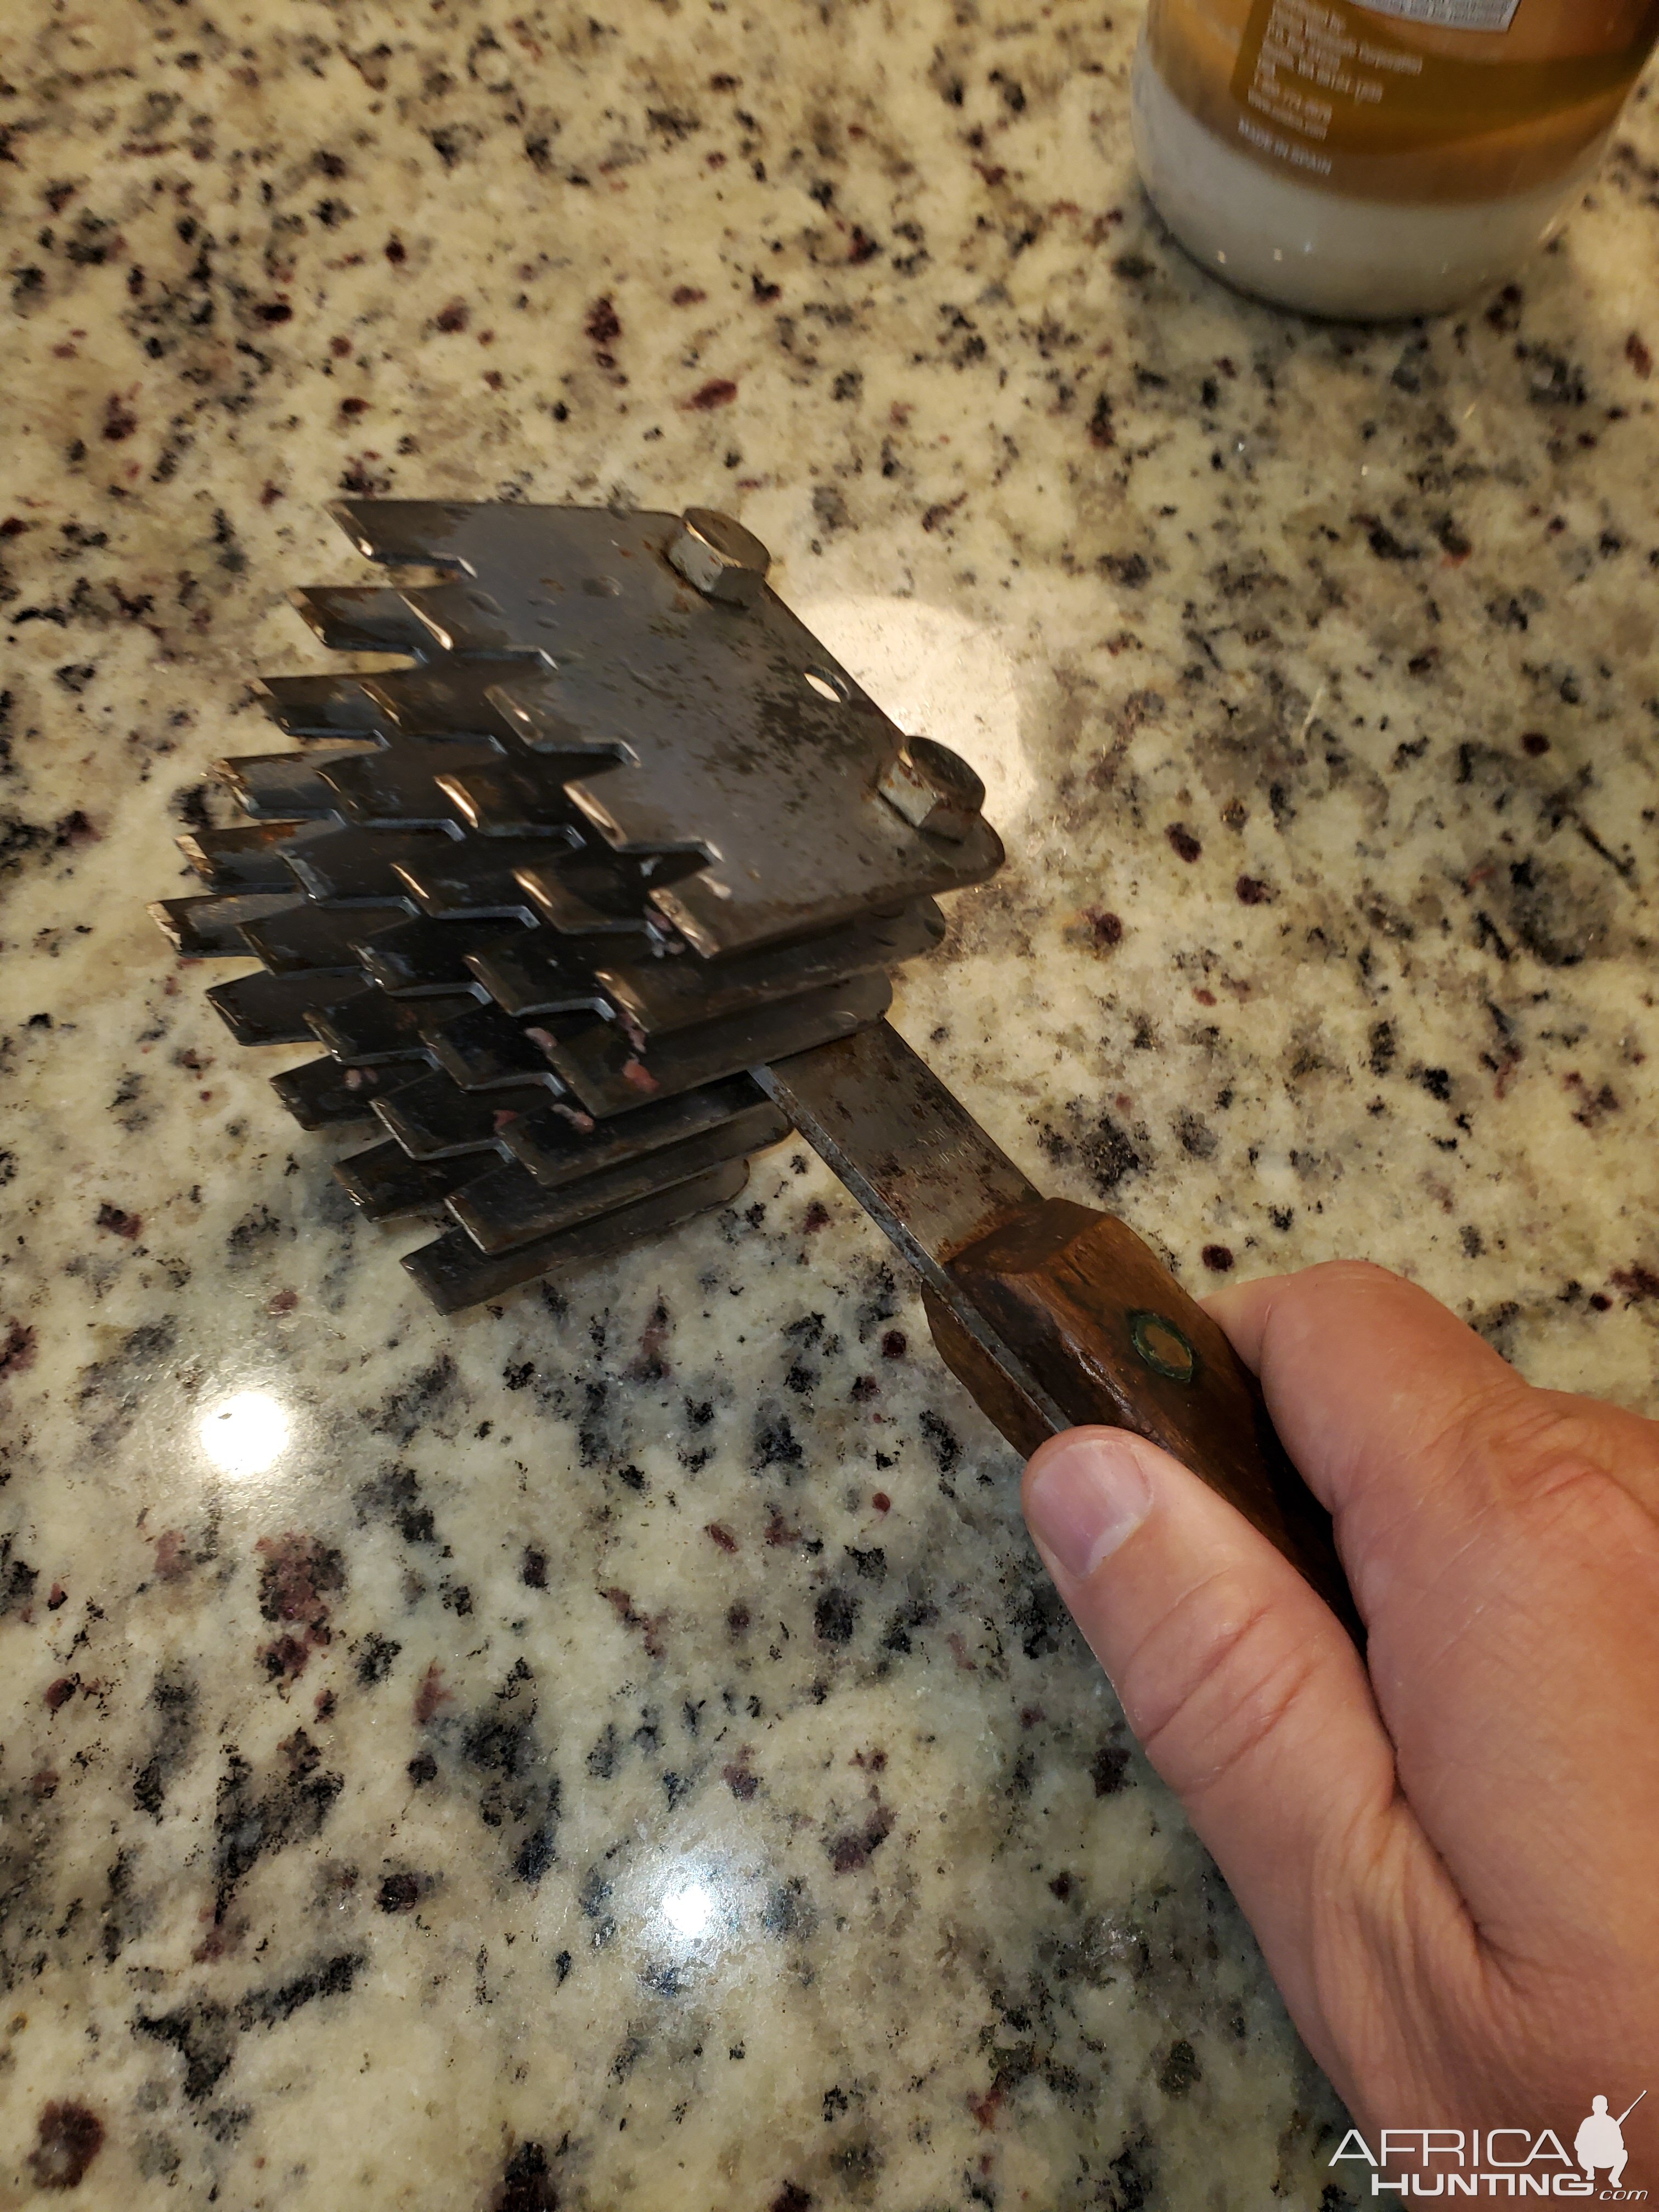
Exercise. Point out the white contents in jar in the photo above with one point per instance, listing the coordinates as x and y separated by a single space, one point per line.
1308 246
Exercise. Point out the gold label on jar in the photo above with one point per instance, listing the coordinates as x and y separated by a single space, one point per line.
1452 14
1414 99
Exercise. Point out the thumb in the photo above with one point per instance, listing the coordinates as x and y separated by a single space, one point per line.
1250 1701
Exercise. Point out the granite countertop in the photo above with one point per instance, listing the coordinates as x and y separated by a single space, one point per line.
617 1748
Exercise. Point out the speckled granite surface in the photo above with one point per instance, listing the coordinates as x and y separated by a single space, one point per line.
557 1776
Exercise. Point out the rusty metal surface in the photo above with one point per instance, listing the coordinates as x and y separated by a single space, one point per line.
266 1009
207 927
385 1183
557 1146
664 994
301 935
609 1073
507 1206
737 734
612 834
416 959
433 1119
916 1161
346 865
250 856
286 784
453 1273
373 1027
909 1152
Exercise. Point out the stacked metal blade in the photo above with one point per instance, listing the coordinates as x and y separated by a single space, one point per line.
612 838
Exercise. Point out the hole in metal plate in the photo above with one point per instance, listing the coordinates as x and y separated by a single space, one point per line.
828 685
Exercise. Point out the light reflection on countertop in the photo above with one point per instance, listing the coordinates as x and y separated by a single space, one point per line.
938 672
688 1907
246 1433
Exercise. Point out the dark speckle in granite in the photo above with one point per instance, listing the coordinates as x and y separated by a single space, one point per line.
68 2137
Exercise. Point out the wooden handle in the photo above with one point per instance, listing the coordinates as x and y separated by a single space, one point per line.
1112 1338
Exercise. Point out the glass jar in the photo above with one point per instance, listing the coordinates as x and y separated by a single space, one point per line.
1377 160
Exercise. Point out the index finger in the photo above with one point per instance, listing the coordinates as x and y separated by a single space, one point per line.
1359 1366
1388 1403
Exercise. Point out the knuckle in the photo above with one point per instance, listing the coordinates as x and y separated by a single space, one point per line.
1355 1274
1333 1300
1519 1442
1355 1282
1214 1684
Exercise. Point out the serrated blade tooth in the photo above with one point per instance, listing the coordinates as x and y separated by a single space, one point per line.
510 799
385 1182
266 1009
416 959
432 1118
537 973
454 1273
325 1095
305 936
288 784
395 789
532 705
321 706
595 892
211 927
349 867
507 1206
482 1049
646 826
247 856
476 877
561 1143
446 699
362 618
609 1073
373 1028
404 532
459 617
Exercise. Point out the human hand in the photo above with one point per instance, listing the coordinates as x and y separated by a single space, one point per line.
1447 1848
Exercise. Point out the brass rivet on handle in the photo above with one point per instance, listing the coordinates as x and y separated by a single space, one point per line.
1162 1347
